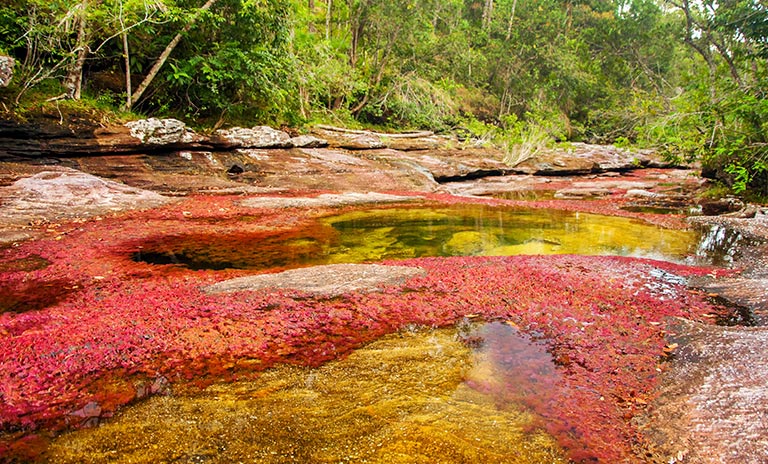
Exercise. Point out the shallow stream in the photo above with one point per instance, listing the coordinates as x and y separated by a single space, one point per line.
418 396
370 235
421 395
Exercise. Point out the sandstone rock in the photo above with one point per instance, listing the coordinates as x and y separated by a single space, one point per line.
351 141
254 137
308 141
721 206
330 280
448 165
6 70
326 200
640 193
155 131
327 169
67 193
582 158
711 407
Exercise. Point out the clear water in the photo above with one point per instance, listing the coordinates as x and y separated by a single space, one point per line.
419 396
399 233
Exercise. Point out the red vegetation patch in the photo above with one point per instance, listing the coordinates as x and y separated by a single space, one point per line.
132 327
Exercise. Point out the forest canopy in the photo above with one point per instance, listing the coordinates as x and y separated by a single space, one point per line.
685 77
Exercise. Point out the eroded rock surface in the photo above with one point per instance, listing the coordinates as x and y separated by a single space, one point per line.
155 131
711 411
326 200
329 280
66 193
582 158
254 137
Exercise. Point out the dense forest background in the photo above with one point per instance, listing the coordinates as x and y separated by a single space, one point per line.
687 77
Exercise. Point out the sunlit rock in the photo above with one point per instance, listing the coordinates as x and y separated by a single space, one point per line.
254 137
67 193
6 70
330 280
156 131
308 141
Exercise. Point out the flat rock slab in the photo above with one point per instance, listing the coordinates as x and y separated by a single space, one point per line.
68 194
448 164
330 280
711 411
327 169
327 200
582 158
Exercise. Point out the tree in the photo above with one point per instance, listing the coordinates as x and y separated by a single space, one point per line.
134 97
721 117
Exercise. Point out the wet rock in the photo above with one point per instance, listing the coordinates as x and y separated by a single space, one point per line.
91 409
6 70
330 280
254 137
154 131
712 403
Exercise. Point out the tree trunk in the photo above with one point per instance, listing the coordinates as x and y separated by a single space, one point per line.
487 14
328 19
166 53
74 80
127 56
511 20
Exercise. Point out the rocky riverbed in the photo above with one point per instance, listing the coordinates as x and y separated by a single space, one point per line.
56 182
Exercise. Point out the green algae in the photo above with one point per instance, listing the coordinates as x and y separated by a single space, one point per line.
406 398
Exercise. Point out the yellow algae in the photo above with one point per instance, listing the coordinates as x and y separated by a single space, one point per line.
401 399
482 230
377 234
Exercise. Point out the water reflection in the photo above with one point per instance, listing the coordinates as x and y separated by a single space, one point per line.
397 233
420 396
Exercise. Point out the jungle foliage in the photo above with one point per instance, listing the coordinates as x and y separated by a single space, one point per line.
688 78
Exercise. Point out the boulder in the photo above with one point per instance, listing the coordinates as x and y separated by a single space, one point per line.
6 70
154 131
254 137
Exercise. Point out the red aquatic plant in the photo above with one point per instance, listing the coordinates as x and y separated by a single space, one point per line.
126 329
